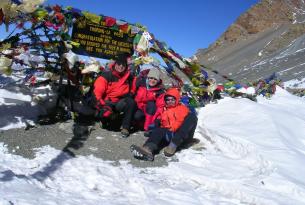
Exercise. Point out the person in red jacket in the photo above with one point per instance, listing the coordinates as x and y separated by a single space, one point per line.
177 125
149 98
114 91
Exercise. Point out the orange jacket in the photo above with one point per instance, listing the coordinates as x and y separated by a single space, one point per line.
173 117
111 86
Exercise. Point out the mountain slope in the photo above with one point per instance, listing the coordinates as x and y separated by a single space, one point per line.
268 38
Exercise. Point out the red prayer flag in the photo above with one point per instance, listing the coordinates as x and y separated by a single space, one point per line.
124 27
110 21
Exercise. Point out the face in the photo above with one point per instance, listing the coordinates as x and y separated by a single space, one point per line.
170 101
120 68
152 81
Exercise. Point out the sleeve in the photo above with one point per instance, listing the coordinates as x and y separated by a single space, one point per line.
100 87
139 98
133 88
182 112
160 103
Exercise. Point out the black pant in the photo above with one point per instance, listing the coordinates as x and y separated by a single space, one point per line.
162 136
139 115
128 107
151 109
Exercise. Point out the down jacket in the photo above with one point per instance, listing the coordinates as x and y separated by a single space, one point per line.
146 94
173 117
112 86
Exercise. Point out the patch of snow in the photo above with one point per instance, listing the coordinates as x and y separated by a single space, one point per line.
260 53
282 71
295 83
20 123
13 95
212 58
249 90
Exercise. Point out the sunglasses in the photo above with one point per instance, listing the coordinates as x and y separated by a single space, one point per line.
170 99
150 78
121 64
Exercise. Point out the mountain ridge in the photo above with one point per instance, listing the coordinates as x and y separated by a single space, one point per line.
252 47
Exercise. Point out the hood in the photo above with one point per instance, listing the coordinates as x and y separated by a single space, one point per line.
175 93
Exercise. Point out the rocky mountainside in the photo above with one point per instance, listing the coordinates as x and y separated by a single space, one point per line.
269 37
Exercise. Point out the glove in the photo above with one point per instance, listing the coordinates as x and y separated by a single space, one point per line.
128 95
105 111
151 126
157 123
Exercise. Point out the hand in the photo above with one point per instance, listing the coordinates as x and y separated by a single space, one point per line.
105 111
151 127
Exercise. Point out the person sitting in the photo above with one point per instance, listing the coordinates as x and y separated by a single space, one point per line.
149 98
113 92
177 126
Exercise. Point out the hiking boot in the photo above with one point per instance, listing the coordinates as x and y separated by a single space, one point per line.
142 153
147 133
169 151
124 133
103 124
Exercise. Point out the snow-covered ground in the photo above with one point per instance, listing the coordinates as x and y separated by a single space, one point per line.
250 153
295 83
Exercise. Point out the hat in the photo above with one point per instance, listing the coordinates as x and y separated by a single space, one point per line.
71 57
154 73
121 59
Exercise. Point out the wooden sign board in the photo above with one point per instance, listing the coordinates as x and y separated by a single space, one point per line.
100 41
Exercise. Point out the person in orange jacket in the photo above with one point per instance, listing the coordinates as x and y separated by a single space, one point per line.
177 125
149 98
114 91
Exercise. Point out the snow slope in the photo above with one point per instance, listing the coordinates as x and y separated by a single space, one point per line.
250 153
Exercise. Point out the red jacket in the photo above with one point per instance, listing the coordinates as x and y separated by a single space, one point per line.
145 94
111 86
173 117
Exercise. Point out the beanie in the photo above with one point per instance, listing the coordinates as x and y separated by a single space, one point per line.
154 73
121 59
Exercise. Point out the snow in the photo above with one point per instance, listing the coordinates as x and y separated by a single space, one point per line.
249 90
295 83
12 95
249 153
22 105
290 68
260 53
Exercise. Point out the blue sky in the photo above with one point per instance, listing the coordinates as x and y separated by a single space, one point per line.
184 25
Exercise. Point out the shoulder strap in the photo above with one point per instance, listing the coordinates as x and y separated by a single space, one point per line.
130 81
141 81
108 76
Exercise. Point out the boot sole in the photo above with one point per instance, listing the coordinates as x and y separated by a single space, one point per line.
145 156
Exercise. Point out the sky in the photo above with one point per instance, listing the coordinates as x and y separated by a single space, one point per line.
249 153
186 26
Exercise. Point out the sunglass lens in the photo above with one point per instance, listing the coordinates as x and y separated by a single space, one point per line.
170 99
